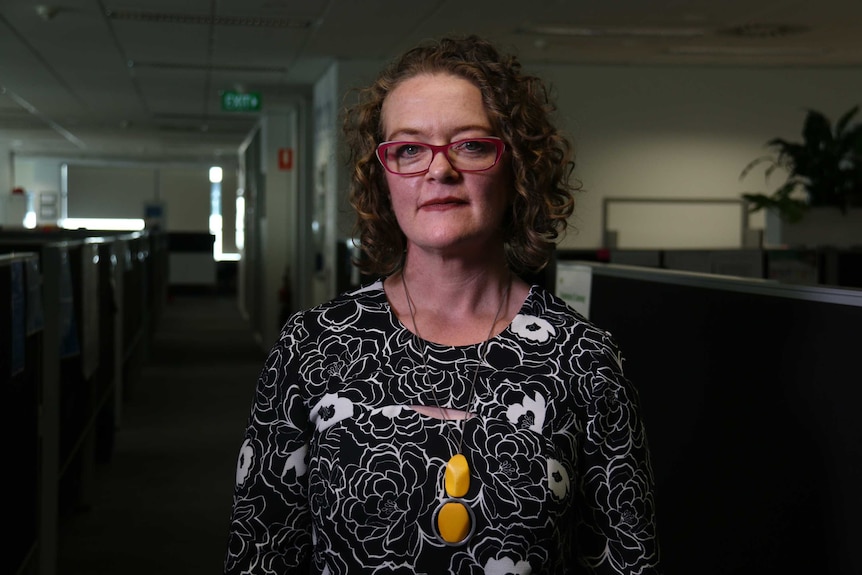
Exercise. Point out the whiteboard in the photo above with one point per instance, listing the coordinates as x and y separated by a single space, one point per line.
674 223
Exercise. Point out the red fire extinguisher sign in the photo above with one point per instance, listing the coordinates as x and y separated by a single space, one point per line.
285 158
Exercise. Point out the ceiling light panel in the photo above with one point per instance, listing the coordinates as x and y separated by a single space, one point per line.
616 31
761 30
206 19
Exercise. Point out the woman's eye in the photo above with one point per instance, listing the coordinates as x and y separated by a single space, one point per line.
408 151
474 146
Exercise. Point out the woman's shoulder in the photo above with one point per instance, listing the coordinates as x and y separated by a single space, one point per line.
367 293
561 317
547 317
542 302
343 309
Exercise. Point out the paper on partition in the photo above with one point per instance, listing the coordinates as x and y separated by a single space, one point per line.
17 307
574 282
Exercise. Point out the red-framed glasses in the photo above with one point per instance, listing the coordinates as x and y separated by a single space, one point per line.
414 158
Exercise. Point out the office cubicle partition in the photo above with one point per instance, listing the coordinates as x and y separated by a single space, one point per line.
20 338
750 392
94 300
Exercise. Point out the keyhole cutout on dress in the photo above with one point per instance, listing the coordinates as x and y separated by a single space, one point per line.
442 413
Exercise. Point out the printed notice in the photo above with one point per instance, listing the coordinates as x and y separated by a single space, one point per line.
574 282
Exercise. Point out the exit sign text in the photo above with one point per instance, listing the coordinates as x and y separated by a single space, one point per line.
240 102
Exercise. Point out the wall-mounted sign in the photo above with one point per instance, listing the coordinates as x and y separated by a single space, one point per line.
240 102
285 158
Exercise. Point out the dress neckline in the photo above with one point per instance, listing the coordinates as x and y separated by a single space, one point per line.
396 321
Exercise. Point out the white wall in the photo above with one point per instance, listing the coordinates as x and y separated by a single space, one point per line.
38 175
331 210
5 167
326 190
114 192
681 132
6 183
120 190
279 220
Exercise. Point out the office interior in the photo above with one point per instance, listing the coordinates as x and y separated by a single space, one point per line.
739 337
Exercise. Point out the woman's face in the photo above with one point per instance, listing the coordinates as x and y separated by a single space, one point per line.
444 211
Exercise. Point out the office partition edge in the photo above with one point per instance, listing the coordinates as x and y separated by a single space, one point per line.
842 296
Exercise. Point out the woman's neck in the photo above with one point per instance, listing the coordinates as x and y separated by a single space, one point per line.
455 303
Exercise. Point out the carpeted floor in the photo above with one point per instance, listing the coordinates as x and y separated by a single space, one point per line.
161 505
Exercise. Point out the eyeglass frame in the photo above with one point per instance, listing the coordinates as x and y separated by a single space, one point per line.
499 144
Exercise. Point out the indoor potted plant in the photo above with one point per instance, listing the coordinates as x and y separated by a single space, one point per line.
824 169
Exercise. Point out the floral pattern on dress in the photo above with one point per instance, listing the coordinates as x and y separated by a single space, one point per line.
338 474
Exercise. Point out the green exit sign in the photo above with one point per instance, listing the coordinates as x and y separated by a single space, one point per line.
240 102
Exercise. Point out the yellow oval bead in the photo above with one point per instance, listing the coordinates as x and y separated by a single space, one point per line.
453 522
457 476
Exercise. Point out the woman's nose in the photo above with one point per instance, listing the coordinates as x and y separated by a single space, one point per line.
441 167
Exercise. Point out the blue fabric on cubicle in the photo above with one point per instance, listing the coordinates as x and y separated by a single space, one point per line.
18 316
69 344
35 310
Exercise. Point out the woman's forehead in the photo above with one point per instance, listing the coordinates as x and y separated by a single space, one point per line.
429 103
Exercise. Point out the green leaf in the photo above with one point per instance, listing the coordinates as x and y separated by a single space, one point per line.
827 165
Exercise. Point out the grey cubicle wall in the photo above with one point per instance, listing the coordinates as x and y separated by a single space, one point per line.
21 342
99 297
750 391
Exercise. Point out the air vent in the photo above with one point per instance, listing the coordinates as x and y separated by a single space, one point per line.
763 30
174 18
609 32
193 67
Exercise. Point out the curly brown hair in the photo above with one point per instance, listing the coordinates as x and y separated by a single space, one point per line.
520 109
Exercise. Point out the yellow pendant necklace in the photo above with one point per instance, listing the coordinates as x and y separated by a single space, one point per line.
453 521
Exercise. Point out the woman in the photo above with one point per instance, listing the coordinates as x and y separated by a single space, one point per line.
448 417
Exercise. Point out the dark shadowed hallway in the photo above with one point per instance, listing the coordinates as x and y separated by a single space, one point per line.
161 504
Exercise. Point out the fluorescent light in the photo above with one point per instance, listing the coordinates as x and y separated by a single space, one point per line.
744 51
215 175
228 257
602 31
123 224
239 222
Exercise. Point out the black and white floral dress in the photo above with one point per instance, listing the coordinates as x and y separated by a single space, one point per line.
339 474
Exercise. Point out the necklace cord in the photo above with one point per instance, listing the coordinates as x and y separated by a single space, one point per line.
412 308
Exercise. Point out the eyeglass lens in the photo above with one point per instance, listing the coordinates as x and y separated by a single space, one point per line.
413 157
